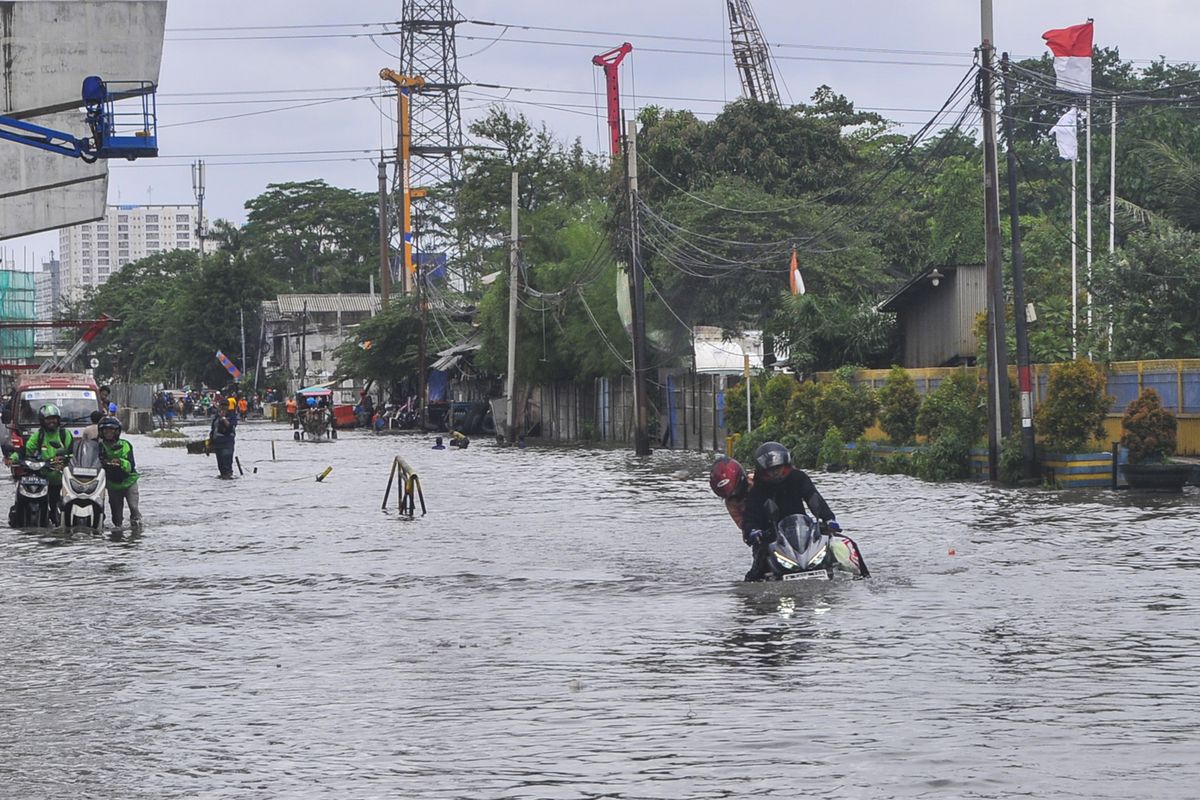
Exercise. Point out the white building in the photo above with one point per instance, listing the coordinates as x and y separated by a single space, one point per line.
91 252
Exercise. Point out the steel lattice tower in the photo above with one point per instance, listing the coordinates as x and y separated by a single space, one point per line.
751 57
427 49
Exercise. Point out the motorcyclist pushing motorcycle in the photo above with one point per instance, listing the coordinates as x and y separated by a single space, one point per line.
121 470
779 490
52 443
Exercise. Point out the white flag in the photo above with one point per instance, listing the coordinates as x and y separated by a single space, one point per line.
1065 133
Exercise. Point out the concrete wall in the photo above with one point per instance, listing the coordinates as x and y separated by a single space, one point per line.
47 48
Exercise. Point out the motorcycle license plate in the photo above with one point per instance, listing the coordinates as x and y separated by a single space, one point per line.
33 482
814 575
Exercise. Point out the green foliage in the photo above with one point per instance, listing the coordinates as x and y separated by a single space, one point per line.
735 404
1011 463
896 464
899 404
849 407
776 398
1075 406
805 449
312 236
175 314
802 414
826 331
384 348
1148 430
956 409
743 449
946 458
832 454
861 457
1152 285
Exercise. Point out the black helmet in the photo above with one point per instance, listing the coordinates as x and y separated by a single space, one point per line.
772 454
109 423
47 411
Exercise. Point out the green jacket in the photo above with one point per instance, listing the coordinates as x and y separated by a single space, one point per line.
48 445
119 466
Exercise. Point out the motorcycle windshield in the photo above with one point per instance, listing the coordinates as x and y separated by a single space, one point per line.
85 457
798 545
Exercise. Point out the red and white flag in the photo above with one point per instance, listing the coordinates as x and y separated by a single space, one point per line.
794 276
1072 49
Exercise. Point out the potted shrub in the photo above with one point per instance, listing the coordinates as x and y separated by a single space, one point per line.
1148 433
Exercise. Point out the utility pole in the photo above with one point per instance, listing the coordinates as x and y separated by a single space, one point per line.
999 414
1024 374
419 288
514 259
638 291
242 325
198 192
385 270
303 345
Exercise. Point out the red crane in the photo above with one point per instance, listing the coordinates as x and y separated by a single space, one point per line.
610 61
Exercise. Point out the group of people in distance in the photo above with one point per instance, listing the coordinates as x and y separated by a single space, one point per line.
775 489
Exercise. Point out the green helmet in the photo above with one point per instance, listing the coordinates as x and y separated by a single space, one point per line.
48 410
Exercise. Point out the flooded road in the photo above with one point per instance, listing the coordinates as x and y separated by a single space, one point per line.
569 624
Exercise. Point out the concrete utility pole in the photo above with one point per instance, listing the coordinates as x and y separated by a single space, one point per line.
641 438
514 259
999 413
1024 374
242 325
385 270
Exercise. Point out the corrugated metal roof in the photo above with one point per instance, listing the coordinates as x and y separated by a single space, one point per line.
920 283
270 311
326 303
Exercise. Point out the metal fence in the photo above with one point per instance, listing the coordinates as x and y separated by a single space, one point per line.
686 411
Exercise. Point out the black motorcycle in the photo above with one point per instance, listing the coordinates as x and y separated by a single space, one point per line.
32 506
805 549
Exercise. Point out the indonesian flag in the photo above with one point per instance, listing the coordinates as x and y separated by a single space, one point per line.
794 275
1072 49
1065 133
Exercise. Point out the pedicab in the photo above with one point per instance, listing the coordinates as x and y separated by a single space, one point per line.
314 415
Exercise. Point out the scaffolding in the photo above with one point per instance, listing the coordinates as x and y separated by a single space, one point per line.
18 294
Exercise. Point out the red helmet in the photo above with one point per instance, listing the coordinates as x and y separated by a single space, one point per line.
727 478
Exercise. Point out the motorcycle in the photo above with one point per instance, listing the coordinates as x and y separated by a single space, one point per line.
804 549
32 506
84 486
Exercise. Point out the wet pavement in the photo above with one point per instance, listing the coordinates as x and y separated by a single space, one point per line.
568 623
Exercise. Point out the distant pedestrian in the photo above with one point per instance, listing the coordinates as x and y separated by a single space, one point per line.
221 440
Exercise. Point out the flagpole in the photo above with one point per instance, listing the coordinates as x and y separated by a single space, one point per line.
1074 261
1112 205
1088 194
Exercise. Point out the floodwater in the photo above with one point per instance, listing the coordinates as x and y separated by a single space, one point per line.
568 623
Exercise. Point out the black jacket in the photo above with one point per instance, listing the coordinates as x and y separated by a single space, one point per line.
789 496
221 435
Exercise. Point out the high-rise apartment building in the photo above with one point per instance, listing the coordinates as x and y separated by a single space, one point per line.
48 301
93 251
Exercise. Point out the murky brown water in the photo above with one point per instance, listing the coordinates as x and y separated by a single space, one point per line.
568 624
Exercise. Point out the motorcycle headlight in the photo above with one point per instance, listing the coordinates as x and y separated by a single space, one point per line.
82 488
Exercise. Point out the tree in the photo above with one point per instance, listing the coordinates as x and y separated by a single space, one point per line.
899 404
310 235
383 348
1150 291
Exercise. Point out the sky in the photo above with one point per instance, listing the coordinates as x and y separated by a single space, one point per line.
228 91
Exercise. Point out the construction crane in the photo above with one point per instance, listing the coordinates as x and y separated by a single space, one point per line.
610 62
751 57
115 134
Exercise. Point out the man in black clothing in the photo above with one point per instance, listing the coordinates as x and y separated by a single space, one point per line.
779 491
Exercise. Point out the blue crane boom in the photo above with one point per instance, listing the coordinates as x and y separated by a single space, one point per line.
122 133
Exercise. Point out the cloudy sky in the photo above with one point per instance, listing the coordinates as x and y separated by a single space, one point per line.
269 104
